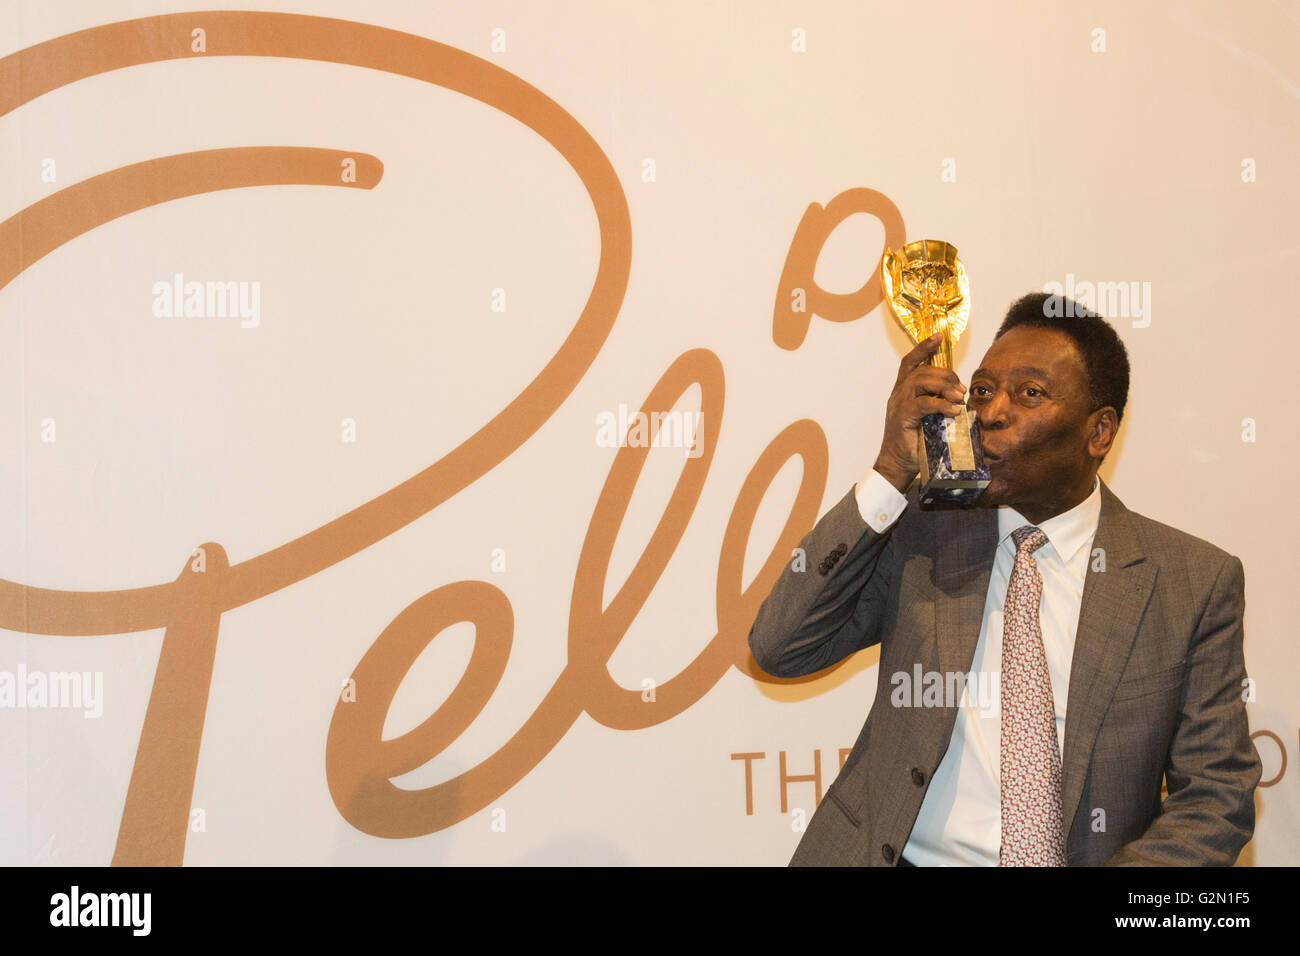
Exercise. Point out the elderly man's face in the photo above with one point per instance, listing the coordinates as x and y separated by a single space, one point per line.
1040 440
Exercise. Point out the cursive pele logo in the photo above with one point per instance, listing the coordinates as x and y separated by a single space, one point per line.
359 763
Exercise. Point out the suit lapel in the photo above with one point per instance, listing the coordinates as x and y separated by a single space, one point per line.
964 550
1112 607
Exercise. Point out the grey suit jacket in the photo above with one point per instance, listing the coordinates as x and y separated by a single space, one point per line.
1156 682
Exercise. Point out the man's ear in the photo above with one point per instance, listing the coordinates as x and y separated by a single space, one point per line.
1103 424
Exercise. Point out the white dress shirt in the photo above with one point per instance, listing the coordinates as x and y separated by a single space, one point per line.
960 821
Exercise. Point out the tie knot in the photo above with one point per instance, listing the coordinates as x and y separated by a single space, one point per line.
1028 539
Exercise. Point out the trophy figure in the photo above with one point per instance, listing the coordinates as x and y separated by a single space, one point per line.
926 289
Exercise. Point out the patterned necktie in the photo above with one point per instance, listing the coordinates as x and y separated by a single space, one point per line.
1032 831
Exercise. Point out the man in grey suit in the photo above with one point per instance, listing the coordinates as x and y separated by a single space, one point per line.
1116 641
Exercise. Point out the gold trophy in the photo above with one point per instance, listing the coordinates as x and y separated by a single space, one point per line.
926 289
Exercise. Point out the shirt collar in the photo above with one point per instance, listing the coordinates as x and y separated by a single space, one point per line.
1066 532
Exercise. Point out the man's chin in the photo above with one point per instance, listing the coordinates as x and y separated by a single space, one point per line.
994 494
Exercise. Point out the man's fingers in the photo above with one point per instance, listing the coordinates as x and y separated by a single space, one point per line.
930 404
938 381
924 349
919 355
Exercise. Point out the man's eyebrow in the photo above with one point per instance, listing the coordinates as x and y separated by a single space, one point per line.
1018 370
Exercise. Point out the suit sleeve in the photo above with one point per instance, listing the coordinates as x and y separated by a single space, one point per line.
828 605
1213 767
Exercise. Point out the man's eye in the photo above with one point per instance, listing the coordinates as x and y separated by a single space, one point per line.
1030 388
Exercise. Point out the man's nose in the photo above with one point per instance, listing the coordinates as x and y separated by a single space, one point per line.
993 413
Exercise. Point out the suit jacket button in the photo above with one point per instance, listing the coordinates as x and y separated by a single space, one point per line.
918 778
823 567
841 547
887 852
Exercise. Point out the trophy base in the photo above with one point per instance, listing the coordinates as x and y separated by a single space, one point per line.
953 469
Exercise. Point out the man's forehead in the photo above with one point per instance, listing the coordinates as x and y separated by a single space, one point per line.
1019 370
1046 353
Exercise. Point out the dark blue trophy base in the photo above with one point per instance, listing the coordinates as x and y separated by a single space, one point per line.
941 482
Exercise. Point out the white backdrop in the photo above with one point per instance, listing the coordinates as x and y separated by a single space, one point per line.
400 311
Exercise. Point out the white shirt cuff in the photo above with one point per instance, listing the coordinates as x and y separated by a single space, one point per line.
879 502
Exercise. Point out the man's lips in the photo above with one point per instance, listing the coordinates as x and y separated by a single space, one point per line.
988 455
